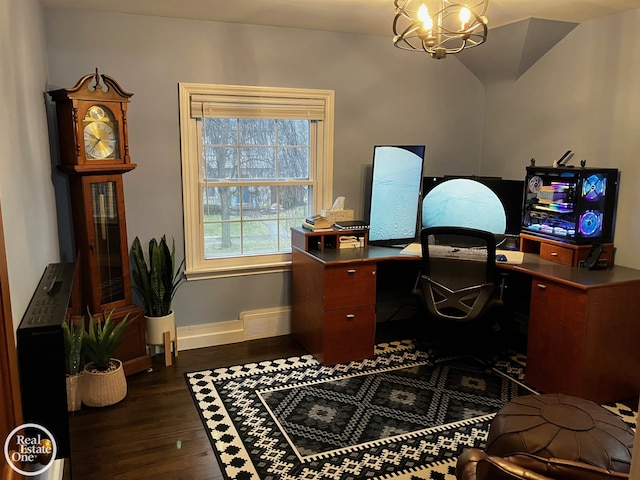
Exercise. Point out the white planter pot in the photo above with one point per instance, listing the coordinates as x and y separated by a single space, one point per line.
74 396
156 326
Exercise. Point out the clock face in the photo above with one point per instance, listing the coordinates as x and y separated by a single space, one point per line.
96 112
99 140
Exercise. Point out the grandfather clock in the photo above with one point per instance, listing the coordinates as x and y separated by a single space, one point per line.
94 152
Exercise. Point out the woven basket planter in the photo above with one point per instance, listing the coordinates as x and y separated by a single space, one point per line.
100 389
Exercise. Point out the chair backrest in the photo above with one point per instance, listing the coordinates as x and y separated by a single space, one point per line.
458 275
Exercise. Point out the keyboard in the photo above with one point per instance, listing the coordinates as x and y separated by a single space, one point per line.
415 249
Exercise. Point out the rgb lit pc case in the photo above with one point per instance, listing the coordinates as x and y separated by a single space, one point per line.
574 205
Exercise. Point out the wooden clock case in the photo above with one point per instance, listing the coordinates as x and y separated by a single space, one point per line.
98 209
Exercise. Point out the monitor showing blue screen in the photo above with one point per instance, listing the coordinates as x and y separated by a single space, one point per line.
395 194
487 203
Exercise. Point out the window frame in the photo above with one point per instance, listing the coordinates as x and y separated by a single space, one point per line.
236 97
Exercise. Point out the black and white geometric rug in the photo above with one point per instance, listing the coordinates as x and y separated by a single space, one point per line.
392 416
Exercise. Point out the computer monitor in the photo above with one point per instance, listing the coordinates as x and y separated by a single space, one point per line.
487 203
394 205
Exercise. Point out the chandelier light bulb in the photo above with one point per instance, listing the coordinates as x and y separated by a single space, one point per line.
465 16
423 16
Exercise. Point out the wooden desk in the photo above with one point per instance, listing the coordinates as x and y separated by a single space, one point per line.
584 326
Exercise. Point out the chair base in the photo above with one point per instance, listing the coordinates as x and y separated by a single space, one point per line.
445 341
439 357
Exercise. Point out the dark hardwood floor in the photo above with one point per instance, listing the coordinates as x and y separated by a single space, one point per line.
156 432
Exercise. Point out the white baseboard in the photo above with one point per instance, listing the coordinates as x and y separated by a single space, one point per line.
254 324
209 335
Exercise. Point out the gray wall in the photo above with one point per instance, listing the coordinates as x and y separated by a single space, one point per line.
383 96
583 96
580 96
26 190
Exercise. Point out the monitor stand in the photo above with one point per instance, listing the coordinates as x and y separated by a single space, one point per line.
397 243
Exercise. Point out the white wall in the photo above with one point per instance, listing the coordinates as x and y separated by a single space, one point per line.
383 96
583 96
26 190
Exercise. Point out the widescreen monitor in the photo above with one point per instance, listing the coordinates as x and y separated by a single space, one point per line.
487 203
396 181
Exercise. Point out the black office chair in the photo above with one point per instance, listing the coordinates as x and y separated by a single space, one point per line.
461 294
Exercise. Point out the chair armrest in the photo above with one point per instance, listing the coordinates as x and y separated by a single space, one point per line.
560 469
475 464
498 468
468 462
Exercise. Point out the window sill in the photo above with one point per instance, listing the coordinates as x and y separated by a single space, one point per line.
238 271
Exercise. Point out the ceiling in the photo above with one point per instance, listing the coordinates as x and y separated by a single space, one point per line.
353 16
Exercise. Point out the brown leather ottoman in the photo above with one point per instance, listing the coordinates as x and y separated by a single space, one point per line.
562 426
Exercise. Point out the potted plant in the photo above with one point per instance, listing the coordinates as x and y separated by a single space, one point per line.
157 282
103 382
73 333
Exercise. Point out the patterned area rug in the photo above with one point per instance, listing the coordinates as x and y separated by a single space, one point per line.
392 416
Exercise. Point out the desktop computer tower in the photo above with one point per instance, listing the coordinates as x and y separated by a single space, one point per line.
572 205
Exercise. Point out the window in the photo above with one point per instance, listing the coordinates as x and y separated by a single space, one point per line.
255 162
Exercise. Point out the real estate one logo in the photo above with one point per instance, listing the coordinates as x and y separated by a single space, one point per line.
30 449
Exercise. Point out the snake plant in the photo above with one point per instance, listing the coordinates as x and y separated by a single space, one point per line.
158 280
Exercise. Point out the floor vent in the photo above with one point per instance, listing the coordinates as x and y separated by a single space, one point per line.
268 322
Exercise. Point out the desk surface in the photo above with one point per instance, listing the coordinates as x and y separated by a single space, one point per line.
574 276
532 265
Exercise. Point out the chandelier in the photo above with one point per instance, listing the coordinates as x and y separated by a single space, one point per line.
439 27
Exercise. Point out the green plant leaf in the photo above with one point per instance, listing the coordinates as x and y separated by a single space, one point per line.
158 280
73 333
103 338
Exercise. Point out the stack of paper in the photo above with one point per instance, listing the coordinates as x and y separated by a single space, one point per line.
350 241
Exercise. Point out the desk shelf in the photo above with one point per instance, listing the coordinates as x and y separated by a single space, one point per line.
309 241
561 252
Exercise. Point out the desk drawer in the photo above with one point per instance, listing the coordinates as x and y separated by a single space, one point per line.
556 339
350 286
555 253
349 334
